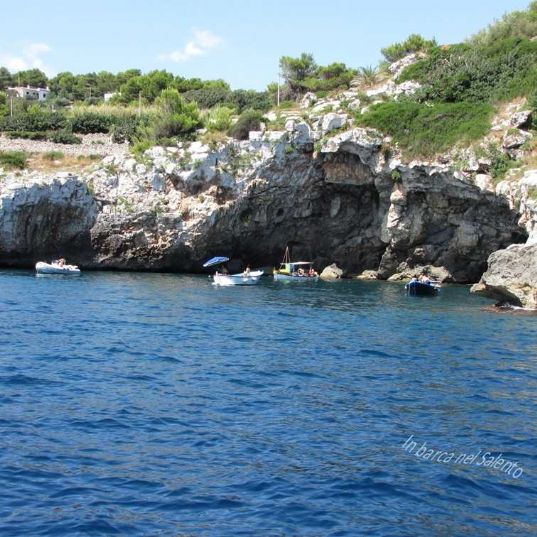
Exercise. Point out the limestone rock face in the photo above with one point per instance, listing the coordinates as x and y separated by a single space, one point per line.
400 65
512 140
367 275
520 195
521 119
44 218
308 100
342 203
333 121
512 276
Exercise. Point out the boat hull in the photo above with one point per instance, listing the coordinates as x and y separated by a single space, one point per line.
226 280
421 289
53 268
290 278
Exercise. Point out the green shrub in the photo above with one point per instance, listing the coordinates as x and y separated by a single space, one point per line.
13 159
331 77
499 71
64 137
499 63
414 43
4 109
532 104
53 155
89 123
34 120
175 117
368 76
140 146
514 24
500 162
422 130
249 120
219 119
207 97
303 74
250 99
27 135
125 128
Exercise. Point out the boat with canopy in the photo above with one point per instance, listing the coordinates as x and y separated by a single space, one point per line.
247 277
295 271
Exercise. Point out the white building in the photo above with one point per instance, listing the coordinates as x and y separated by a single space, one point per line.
28 93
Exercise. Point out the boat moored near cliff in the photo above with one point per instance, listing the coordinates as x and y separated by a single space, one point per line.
56 267
223 278
244 278
417 288
297 271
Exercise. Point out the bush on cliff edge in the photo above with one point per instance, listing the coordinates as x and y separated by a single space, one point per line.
426 130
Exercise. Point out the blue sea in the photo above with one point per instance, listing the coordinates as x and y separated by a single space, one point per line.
157 404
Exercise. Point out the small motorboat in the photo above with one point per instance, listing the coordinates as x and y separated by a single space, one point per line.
248 277
417 288
244 278
297 271
55 268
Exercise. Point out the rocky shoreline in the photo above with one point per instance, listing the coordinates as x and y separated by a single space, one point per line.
332 192
251 199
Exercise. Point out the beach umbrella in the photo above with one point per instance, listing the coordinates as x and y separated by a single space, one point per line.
215 261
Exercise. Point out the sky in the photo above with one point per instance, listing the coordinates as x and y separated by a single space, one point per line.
239 41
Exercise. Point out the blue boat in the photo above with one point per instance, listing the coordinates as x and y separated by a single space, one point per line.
417 288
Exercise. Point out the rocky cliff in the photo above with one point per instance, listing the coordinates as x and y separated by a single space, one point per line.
512 273
348 202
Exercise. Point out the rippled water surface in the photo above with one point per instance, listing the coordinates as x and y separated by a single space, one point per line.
140 404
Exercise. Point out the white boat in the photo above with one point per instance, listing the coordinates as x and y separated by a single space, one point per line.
55 268
244 278
294 276
297 271
247 277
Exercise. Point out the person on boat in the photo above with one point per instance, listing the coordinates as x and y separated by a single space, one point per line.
424 278
246 272
61 262
311 272
301 271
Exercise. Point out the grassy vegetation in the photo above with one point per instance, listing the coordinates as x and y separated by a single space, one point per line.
462 85
53 155
368 76
13 160
56 160
422 130
500 162
497 64
249 120
474 72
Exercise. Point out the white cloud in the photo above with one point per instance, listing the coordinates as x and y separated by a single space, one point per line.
201 43
29 57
